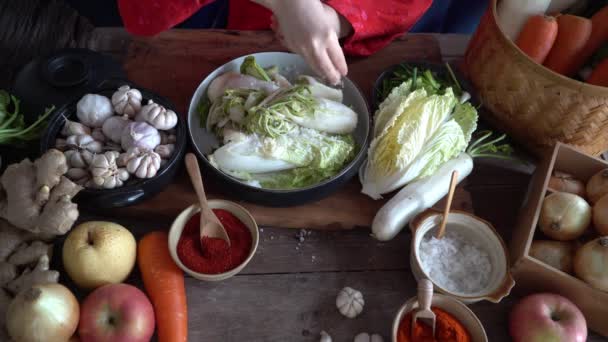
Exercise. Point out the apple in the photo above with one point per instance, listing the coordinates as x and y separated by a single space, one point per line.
116 313
97 253
547 317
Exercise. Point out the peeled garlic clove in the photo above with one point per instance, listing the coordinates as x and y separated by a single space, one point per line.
350 302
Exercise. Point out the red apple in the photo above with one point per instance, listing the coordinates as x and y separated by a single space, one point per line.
545 317
116 313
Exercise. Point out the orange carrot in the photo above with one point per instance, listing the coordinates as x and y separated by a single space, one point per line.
164 283
572 35
537 37
599 76
599 35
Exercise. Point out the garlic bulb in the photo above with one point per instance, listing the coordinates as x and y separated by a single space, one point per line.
365 337
98 135
140 162
74 128
165 151
127 101
78 159
78 175
112 146
92 110
350 302
84 142
139 134
106 173
325 337
61 144
157 116
113 127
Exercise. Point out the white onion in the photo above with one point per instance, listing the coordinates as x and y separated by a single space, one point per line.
557 254
597 186
47 312
600 216
564 216
564 182
591 263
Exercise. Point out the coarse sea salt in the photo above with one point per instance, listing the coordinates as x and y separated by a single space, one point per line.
455 263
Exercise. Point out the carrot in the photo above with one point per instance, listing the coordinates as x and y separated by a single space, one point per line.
599 35
599 76
537 37
164 283
572 35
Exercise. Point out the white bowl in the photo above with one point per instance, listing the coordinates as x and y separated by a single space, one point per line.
475 229
178 226
457 309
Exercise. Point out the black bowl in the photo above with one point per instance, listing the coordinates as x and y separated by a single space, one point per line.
203 141
135 190
438 68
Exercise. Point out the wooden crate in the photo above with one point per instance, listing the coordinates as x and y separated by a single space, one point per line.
532 275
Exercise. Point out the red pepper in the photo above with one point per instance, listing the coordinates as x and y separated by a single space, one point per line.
214 256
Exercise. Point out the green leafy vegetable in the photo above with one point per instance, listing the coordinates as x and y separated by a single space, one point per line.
252 68
12 123
481 148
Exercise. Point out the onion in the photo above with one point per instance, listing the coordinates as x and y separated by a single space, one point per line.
564 216
591 263
554 253
46 312
597 186
561 181
600 216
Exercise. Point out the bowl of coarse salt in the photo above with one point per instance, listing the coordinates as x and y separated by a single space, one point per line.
470 262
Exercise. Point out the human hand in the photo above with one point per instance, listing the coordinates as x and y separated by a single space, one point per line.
311 29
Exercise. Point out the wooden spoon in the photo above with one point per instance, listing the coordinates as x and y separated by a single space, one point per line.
448 205
210 225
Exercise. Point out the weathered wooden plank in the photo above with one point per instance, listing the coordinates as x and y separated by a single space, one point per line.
296 307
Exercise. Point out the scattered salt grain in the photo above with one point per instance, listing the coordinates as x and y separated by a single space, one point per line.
300 236
455 263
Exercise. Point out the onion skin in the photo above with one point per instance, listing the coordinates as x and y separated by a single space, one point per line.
46 312
597 186
600 216
564 182
591 263
557 254
564 216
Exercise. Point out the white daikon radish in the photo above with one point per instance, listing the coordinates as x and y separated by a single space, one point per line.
513 14
418 196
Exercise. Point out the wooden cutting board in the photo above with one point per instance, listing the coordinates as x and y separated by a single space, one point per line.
175 62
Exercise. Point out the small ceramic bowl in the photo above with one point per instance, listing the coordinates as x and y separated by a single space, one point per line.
475 229
457 309
178 226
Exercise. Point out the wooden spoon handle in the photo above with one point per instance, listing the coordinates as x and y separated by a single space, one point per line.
448 205
195 176
425 294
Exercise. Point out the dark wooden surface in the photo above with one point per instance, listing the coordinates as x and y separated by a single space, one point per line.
287 292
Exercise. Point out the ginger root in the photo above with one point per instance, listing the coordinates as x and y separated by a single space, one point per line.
30 277
37 197
8 272
27 254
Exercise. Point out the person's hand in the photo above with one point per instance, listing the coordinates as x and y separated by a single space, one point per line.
311 29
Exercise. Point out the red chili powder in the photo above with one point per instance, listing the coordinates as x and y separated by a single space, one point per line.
214 256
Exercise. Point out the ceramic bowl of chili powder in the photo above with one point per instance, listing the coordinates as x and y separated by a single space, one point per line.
454 322
211 259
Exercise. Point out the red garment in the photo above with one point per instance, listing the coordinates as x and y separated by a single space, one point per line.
375 22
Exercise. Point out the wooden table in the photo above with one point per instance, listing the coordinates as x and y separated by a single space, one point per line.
288 291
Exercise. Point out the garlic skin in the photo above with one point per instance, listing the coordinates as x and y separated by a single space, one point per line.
106 174
350 302
127 101
84 142
157 116
93 109
365 337
61 144
114 126
74 128
139 134
79 176
325 337
140 162
98 135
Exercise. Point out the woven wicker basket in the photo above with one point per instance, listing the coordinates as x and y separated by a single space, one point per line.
534 105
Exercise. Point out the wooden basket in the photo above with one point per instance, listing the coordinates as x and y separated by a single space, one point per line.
534 105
